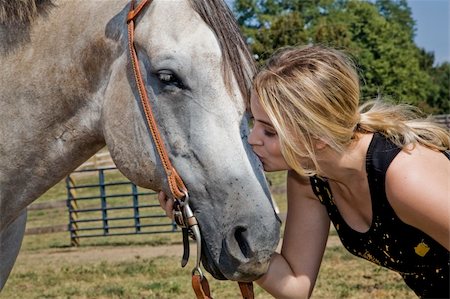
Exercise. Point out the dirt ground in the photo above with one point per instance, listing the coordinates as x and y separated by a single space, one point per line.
98 254
113 253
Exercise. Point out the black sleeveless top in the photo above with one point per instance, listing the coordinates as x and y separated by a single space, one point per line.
421 261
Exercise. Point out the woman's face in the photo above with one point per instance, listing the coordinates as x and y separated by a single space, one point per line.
264 139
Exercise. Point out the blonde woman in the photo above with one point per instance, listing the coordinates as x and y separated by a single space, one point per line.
379 173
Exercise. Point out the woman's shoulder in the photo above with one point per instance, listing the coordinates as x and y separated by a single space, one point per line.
293 178
417 189
299 185
417 174
417 161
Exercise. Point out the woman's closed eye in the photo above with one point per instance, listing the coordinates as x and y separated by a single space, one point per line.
263 126
266 128
270 133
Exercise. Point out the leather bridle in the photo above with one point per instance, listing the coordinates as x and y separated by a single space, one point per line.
183 214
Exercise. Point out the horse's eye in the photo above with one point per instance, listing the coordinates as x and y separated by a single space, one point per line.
169 78
166 77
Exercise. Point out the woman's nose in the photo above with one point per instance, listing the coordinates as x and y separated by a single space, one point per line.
253 138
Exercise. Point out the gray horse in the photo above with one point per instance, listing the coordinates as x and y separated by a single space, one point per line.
67 89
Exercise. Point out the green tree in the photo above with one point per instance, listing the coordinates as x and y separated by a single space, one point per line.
270 24
441 99
379 36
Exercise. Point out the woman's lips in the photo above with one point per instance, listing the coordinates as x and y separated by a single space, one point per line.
259 157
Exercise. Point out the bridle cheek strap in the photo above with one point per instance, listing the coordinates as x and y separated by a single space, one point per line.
201 288
134 11
246 290
176 184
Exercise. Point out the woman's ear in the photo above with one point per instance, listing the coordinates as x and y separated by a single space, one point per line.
320 144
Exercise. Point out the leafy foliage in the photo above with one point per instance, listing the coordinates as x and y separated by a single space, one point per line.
378 35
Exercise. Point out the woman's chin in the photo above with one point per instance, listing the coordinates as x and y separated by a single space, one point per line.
272 168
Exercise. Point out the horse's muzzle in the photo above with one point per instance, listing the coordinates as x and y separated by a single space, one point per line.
243 256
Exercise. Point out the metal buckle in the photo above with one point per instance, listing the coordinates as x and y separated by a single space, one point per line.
179 213
182 212
179 219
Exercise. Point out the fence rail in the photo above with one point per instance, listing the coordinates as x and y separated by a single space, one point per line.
46 229
101 159
110 209
443 119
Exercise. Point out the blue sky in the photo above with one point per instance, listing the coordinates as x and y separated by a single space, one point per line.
432 26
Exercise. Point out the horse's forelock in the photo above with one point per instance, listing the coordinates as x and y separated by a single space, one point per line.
237 59
21 11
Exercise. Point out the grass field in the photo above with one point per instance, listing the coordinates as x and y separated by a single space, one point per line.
148 266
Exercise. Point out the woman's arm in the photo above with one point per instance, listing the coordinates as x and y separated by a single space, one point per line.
417 187
292 274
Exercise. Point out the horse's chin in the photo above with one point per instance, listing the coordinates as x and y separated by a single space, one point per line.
234 261
223 271
210 266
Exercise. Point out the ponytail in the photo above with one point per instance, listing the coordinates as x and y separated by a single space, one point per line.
403 125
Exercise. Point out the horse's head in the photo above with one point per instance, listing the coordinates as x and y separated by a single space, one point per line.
199 104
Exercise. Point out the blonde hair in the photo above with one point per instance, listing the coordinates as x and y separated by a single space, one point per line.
313 92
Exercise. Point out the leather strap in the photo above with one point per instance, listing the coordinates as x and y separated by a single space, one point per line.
201 288
178 189
185 258
176 184
135 11
247 290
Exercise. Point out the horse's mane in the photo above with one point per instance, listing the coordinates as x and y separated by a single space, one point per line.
238 60
22 11
16 17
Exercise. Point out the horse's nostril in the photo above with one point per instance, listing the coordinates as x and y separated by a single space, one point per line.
240 234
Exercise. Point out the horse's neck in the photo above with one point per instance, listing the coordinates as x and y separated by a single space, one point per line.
38 149
50 107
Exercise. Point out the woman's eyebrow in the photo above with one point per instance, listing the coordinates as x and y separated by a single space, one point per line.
264 122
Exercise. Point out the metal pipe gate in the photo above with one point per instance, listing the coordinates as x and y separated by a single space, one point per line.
111 207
